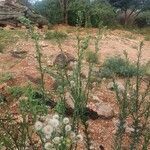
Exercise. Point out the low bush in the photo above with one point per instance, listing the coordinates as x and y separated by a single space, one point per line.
118 66
91 57
4 77
16 91
7 37
147 38
55 35
1 48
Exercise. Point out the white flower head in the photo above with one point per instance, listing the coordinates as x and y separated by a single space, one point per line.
47 130
53 122
56 140
72 135
66 120
67 128
72 83
56 116
79 137
47 118
38 125
47 136
48 146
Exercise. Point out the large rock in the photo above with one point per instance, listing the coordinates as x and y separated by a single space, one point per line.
11 11
63 59
103 109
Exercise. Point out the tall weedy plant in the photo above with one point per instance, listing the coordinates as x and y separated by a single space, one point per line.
36 37
133 103
74 84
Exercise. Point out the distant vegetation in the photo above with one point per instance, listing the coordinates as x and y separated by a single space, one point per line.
95 12
55 35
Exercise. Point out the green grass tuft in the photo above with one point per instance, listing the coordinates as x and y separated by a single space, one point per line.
118 66
54 35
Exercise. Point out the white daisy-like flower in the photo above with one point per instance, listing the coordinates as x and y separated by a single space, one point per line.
47 130
56 116
67 128
79 137
38 125
48 146
56 140
53 122
66 120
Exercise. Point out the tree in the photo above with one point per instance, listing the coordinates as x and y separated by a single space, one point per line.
131 8
49 9
64 7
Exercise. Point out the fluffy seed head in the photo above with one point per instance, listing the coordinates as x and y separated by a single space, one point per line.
66 120
48 146
79 137
56 140
47 130
53 122
56 116
67 128
38 125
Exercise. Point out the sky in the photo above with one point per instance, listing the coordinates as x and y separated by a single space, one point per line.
33 1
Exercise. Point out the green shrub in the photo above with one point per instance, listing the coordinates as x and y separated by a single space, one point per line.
49 9
54 35
118 66
1 48
143 19
16 91
91 57
93 14
8 37
102 13
147 38
5 77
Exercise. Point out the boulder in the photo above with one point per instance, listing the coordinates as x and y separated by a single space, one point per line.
12 10
63 59
103 109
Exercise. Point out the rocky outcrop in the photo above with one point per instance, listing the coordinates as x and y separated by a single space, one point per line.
11 11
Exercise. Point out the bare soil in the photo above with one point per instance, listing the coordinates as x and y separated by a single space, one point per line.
114 42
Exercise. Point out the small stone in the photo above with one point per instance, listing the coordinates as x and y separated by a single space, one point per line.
23 27
71 65
103 109
69 100
119 85
43 44
96 98
129 130
9 27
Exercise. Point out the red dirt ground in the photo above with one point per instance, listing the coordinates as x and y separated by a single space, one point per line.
114 42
